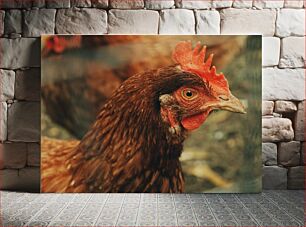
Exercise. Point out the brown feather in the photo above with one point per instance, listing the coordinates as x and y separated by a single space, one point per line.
129 147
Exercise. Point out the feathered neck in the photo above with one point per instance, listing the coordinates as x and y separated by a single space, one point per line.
131 117
129 148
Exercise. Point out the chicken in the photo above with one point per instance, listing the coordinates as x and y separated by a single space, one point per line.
66 55
136 141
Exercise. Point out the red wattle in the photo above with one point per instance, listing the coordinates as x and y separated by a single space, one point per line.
194 122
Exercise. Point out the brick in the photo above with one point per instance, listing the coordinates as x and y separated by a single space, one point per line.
126 4
19 53
39 21
285 106
55 4
99 3
13 155
293 4
191 4
221 3
208 22
26 179
15 4
293 52
133 21
303 160
296 177
261 4
290 22
270 51
33 158
24 122
159 4
27 84
299 122
2 15
7 81
277 129
38 3
78 21
80 3
177 21
283 84
289 153
242 4
269 154
3 121
274 177
13 21
248 21
267 107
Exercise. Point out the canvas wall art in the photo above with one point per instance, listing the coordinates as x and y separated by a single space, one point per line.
168 114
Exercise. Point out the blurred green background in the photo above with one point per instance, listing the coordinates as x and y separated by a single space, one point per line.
223 155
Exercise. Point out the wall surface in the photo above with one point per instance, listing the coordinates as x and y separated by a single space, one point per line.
281 22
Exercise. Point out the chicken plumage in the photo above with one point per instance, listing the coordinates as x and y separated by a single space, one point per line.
137 139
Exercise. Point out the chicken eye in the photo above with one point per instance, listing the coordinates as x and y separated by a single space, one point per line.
189 94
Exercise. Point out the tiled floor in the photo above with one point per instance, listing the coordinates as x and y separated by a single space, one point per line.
270 208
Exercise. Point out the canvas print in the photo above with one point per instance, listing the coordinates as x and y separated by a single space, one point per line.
136 113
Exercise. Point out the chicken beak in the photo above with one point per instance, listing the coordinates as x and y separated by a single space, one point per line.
229 103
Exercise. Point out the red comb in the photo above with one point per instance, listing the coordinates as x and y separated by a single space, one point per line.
193 60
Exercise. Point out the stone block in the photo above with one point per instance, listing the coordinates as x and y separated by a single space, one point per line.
24 122
293 3
33 154
27 86
3 121
126 4
261 4
80 3
270 51
285 107
290 22
2 15
55 4
283 84
299 122
248 21
267 107
242 4
191 4
39 21
208 22
303 160
133 22
277 129
26 179
269 154
13 21
296 177
15 4
99 3
38 3
19 53
293 52
289 153
274 177
177 21
81 21
13 155
221 3
7 81
159 4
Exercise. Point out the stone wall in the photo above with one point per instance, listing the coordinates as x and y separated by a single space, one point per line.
281 22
